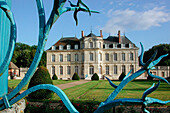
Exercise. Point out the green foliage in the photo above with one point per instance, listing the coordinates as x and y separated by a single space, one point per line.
95 77
24 54
122 76
55 77
75 77
149 78
162 50
41 76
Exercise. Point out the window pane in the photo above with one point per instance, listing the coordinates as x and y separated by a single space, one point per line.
131 56
132 68
115 69
76 57
53 70
53 58
107 70
123 69
69 57
68 70
91 56
107 56
91 70
61 70
123 56
61 58
76 69
115 56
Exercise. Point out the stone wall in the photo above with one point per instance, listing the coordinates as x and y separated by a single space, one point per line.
16 108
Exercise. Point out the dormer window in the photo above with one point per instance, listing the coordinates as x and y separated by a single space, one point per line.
106 46
130 45
91 44
60 47
68 47
53 48
122 45
76 46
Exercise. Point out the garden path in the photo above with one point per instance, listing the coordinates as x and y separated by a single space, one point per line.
68 85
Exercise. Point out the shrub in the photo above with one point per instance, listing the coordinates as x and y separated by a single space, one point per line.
149 78
41 76
55 77
95 77
122 76
75 77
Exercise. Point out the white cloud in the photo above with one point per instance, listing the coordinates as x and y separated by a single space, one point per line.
127 20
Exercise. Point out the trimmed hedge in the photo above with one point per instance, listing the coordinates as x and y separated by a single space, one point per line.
41 76
55 77
122 76
75 77
95 77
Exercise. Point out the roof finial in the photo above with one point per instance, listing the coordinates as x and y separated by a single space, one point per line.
91 29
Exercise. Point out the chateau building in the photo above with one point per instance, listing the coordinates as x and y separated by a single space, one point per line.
91 54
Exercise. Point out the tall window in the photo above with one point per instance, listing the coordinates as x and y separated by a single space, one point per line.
124 69
68 70
123 56
91 70
91 44
115 69
131 56
132 68
91 56
100 69
107 70
53 58
76 69
115 56
82 56
68 47
68 57
53 70
163 74
82 70
60 47
100 56
76 57
61 70
100 45
107 56
61 58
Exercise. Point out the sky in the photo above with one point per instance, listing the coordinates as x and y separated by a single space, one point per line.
146 21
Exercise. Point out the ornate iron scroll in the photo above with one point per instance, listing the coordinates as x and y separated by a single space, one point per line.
44 28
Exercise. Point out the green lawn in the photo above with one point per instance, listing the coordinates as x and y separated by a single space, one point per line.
14 83
100 90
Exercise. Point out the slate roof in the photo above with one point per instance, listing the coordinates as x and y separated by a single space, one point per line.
67 41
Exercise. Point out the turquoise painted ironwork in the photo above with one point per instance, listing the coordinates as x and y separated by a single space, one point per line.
44 28
145 101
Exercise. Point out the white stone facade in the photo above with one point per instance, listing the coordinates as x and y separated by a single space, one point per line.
93 54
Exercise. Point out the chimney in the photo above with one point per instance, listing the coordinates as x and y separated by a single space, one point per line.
101 34
82 34
119 36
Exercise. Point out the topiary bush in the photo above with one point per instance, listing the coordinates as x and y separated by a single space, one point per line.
55 77
95 77
122 76
41 76
75 77
149 78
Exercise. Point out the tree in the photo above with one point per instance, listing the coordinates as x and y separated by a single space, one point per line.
55 77
41 76
95 77
161 49
24 54
75 77
122 76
